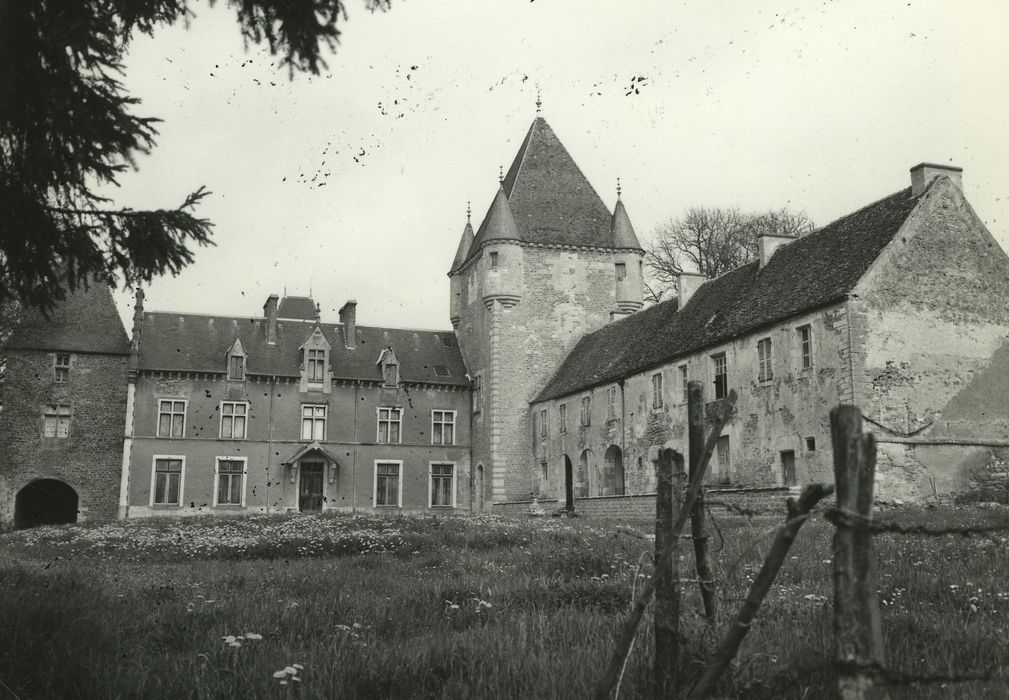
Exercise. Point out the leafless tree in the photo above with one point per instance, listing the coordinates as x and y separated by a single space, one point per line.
711 241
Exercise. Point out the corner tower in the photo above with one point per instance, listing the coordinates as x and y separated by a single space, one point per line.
548 264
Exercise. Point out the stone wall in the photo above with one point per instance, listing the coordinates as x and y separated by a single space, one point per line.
89 459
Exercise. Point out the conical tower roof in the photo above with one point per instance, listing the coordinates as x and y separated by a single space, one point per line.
499 224
622 231
465 243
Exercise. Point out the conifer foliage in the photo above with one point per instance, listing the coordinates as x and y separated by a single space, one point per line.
68 127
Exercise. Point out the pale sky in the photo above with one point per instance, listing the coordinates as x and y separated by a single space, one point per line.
354 183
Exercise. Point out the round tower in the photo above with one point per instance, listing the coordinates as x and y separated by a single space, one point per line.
499 268
457 279
628 261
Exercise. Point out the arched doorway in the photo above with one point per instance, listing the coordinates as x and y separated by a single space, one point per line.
569 486
613 479
479 488
45 502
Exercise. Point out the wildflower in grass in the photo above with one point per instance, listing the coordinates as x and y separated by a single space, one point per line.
253 636
288 674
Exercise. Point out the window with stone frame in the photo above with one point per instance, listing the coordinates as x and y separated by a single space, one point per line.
389 425
234 415
621 271
720 372
477 392
171 418
657 390
684 383
167 487
611 403
236 368
313 422
315 366
230 482
562 418
805 346
765 360
387 483
586 417
442 427
543 423
61 367
56 421
442 485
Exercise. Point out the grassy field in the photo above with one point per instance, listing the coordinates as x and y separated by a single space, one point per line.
342 606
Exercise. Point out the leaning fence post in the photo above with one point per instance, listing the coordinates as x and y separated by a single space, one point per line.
695 441
858 632
669 490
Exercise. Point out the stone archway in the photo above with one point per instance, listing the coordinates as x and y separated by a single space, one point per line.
479 489
45 502
613 479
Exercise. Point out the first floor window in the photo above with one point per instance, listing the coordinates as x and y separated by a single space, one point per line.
389 421
230 482
684 383
313 422
56 422
657 390
233 414
171 418
805 346
442 479
586 410
621 271
543 422
168 481
611 403
62 368
442 427
765 371
721 374
387 484
562 418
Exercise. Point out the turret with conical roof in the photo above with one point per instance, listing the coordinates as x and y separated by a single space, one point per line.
548 264
457 282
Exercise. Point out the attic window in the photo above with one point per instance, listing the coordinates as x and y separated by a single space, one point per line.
62 368
447 341
236 367
390 374
442 371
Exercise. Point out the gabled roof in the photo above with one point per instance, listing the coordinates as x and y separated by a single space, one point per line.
311 448
86 321
199 343
302 308
809 273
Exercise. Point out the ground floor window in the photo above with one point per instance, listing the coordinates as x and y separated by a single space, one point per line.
442 485
387 483
167 481
230 482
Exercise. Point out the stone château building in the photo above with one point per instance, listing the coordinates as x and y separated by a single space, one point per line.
553 380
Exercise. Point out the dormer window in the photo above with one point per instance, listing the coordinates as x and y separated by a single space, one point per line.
61 368
316 367
389 366
236 361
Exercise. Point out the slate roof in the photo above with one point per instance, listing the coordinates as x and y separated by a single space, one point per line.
86 321
199 343
550 199
806 274
297 307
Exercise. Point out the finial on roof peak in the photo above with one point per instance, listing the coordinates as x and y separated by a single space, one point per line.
468 211
500 173
539 101
318 313
619 190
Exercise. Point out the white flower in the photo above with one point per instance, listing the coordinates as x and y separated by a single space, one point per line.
253 635
280 674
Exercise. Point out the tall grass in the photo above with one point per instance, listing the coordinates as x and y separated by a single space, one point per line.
431 607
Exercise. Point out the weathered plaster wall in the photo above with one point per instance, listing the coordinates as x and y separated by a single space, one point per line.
515 345
932 349
782 414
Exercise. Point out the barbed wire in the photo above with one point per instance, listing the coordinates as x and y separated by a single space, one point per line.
841 517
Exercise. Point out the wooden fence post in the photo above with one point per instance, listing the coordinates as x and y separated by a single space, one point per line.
669 491
858 632
695 440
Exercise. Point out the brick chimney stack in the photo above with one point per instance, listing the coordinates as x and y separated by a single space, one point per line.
348 317
270 312
923 173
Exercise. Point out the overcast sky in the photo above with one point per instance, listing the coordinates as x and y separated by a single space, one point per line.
354 183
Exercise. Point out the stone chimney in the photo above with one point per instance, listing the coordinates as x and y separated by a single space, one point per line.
686 284
924 173
270 312
768 243
348 317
